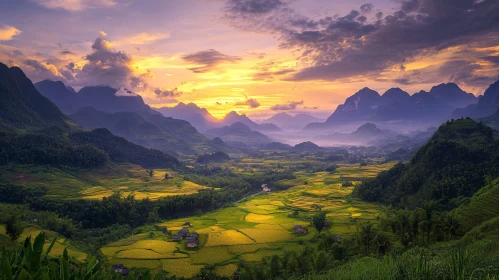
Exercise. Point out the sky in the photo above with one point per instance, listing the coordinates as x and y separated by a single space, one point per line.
258 57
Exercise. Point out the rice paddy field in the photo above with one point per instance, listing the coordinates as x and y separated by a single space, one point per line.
96 184
253 229
59 246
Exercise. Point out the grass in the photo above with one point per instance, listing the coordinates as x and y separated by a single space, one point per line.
256 228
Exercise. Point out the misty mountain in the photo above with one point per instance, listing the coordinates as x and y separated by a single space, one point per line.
287 121
239 132
397 105
307 146
278 146
234 117
121 112
486 105
133 127
198 117
364 134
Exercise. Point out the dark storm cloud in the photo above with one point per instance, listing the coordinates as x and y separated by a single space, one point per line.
355 45
39 70
288 106
208 60
250 102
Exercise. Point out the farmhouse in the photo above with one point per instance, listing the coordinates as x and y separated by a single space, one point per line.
187 224
180 234
299 229
192 240
265 188
118 268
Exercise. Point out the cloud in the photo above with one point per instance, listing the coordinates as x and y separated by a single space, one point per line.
253 6
40 70
66 52
102 34
125 92
167 93
75 5
250 102
288 106
208 60
107 66
357 45
143 39
8 32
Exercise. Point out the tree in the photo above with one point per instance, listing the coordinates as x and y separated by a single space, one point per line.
319 220
13 227
151 172
366 235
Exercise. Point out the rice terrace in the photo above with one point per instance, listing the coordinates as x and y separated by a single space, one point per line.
254 228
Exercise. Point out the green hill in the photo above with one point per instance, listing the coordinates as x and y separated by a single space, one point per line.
452 165
483 206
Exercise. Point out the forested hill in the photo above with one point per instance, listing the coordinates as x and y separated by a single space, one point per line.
22 107
34 131
450 167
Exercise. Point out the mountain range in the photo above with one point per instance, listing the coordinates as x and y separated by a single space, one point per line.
34 131
289 122
128 116
202 120
239 133
395 104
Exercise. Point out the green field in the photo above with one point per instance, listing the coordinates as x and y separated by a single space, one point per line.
97 184
254 228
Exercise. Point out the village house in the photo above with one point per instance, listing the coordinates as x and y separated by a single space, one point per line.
265 188
299 229
192 240
187 224
180 234
118 268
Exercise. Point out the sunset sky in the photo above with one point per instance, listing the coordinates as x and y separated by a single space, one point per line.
258 57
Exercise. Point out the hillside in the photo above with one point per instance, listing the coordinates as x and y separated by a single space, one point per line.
35 131
125 115
486 105
450 166
133 127
22 108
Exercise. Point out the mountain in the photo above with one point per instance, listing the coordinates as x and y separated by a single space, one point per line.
133 127
395 104
34 131
487 105
198 117
306 147
276 146
234 117
239 132
450 166
176 136
287 121
22 107
366 133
